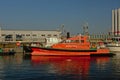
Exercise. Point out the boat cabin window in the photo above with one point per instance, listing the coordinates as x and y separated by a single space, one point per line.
68 41
76 41
65 41
82 37
73 41
82 41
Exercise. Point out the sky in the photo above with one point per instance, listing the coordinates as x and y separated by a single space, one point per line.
52 14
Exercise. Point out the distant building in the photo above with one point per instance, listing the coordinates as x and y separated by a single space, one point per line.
28 35
116 22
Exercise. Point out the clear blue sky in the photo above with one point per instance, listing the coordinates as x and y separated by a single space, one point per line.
51 14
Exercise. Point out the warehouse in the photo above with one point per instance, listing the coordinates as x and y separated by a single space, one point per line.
27 35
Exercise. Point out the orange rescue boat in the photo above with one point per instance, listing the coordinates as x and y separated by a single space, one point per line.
75 46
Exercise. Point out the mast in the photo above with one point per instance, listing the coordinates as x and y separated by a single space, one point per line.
0 34
85 29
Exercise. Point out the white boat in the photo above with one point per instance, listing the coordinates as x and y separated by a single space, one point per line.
115 45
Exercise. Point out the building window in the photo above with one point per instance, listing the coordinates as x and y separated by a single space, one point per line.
18 37
27 34
34 35
43 35
49 35
55 35
23 34
3 35
9 37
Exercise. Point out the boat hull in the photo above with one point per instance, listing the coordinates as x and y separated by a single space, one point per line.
65 52
114 48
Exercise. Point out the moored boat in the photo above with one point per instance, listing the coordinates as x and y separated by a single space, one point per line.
75 46
4 52
114 46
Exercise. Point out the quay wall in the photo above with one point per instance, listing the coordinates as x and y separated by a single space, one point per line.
16 48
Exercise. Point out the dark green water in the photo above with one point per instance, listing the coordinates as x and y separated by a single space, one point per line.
59 68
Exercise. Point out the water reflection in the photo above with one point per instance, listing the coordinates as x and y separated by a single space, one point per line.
59 68
77 67
16 59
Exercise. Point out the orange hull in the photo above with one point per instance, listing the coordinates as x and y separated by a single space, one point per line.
60 52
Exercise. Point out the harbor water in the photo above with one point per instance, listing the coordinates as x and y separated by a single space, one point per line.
19 67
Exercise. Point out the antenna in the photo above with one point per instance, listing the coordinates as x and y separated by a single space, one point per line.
0 33
62 31
85 29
